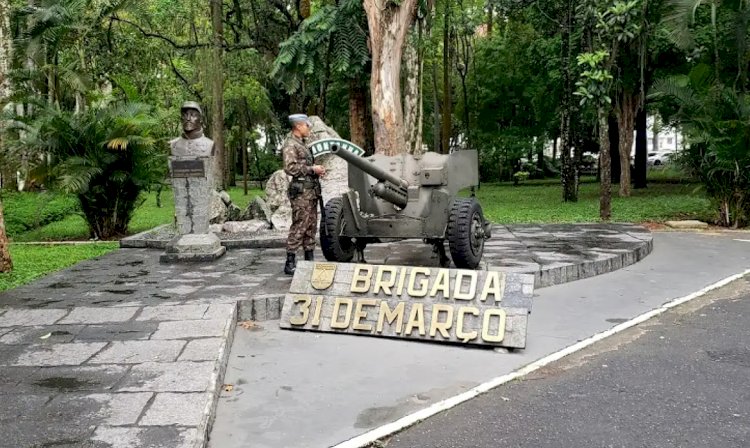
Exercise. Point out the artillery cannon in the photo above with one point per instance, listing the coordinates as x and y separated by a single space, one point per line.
404 197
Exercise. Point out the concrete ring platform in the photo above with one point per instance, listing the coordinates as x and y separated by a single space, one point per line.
553 253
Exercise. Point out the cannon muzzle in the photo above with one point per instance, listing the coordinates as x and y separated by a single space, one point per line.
389 188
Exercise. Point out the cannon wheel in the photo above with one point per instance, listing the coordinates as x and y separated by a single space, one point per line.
335 247
466 233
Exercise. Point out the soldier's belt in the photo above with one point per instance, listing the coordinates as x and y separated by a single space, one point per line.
305 182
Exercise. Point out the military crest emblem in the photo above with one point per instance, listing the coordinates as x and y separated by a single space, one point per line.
322 275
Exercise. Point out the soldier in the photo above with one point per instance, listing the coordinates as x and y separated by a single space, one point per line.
304 191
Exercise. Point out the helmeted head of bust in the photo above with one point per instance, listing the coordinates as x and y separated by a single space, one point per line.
192 119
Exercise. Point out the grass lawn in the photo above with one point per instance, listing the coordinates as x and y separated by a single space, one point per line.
34 261
542 203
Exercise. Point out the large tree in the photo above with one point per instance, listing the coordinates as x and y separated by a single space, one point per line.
389 23
5 55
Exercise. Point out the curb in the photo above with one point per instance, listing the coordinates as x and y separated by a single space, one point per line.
217 381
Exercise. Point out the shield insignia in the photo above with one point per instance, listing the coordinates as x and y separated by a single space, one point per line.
322 275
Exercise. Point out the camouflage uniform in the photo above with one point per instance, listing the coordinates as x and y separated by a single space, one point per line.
304 191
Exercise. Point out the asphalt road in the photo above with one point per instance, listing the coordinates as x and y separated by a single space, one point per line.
679 380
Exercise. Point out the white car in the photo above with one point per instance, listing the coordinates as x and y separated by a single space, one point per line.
659 158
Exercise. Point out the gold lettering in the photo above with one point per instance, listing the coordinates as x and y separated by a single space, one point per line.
422 291
359 314
304 307
416 319
335 323
460 333
442 327
401 281
457 294
381 284
442 283
494 284
390 316
316 313
488 314
362 274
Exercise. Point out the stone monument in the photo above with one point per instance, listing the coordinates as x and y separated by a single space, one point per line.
192 183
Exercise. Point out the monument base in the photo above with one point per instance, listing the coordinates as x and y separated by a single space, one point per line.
193 248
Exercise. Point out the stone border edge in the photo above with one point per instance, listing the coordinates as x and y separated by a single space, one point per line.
571 272
217 381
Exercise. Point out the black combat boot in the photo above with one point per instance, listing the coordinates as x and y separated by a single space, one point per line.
309 255
291 263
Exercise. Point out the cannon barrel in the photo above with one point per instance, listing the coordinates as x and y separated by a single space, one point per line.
369 167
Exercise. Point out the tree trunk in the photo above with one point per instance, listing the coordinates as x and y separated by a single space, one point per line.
641 150
358 121
605 185
388 23
6 264
554 149
655 136
243 148
569 168
217 96
614 152
626 110
447 91
490 19
436 111
413 97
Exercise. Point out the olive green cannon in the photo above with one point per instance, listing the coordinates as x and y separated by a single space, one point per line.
406 197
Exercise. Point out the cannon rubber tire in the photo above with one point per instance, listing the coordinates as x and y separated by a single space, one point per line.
335 248
466 248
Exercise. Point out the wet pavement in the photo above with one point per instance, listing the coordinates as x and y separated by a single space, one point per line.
125 351
310 390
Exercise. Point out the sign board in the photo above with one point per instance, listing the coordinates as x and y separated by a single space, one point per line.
323 146
188 168
428 304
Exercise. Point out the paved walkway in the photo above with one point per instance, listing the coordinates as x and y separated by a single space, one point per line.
311 390
122 351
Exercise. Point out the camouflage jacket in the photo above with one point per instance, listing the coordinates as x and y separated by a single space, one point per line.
298 162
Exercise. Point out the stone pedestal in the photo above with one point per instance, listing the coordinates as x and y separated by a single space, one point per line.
192 186
193 247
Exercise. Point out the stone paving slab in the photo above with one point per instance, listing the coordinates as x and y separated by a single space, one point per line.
124 374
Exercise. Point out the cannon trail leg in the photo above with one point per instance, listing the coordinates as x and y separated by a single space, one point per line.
438 246
360 247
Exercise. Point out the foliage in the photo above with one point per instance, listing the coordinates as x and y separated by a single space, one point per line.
333 39
716 121
26 211
33 261
106 157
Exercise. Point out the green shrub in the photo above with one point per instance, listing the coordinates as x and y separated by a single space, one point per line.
106 157
28 211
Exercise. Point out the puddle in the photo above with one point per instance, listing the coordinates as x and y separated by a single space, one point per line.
62 384
120 291
616 320
60 285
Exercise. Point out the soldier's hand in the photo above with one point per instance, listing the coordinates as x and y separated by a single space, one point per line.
319 170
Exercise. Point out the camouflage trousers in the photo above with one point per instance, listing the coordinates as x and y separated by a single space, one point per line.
304 222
